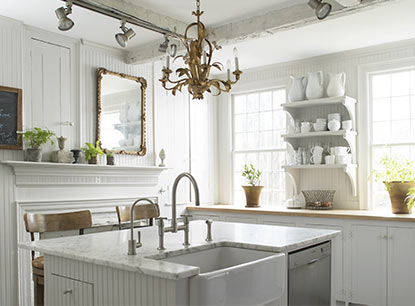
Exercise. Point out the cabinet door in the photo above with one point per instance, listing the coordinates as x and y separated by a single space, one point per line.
401 270
337 248
369 248
68 292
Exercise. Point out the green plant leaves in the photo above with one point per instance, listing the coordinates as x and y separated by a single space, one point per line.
251 174
37 137
90 150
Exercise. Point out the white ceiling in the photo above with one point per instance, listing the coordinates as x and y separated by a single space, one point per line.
385 24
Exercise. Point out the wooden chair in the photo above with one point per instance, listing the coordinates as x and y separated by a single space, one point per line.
141 212
43 223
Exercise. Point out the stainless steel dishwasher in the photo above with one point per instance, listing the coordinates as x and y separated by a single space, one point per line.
309 276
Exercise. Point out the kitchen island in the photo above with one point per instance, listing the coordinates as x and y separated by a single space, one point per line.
95 269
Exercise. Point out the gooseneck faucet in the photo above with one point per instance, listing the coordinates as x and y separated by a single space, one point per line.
174 192
132 243
186 218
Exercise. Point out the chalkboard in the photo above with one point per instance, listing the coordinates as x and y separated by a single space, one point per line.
10 118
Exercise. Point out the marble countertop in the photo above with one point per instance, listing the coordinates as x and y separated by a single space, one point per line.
282 211
110 248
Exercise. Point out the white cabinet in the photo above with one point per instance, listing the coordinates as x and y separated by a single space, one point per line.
67 292
401 270
368 264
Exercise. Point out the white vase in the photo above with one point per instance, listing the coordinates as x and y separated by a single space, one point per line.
337 83
315 89
297 90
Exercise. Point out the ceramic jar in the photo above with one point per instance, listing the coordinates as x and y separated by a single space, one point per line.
337 83
315 88
297 90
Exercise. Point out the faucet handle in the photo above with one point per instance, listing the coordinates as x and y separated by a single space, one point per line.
209 230
184 216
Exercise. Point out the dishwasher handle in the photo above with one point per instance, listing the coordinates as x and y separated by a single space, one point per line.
309 256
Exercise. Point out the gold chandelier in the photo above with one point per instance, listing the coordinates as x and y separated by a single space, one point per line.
198 59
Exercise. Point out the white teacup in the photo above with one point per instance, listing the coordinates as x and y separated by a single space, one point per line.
347 125
339 150
317 159
344 159
330 159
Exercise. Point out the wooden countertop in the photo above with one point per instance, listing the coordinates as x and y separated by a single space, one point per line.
338 214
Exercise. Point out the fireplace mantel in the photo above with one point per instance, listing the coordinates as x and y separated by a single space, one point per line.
32 173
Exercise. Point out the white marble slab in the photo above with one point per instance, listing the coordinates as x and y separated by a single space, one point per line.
110 248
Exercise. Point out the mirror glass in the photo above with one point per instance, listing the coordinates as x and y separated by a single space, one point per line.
121 112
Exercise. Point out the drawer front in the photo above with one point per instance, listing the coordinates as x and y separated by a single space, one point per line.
67 292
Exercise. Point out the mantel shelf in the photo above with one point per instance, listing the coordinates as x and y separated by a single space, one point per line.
32 173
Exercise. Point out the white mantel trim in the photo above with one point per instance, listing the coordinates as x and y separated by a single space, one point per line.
32 173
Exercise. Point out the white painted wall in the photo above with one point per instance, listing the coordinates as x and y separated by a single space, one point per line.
351 62
169 123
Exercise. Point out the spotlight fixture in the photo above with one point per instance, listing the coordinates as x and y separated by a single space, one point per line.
322 9
65 23
164 45
123 38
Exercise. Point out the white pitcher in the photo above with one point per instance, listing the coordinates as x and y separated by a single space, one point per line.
315 89
297 91
337 83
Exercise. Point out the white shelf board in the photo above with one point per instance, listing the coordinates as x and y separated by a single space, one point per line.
320 134
335 166
319 102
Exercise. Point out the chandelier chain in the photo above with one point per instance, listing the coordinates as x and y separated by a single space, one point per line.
198 5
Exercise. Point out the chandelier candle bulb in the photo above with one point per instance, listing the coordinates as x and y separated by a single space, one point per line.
235 54
228 67
167 62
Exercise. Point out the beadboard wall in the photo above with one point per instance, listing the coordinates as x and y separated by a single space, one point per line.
352 63
10 75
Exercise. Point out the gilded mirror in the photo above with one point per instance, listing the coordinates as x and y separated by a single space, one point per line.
121 112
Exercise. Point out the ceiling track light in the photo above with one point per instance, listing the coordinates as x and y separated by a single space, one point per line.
164 45
126 35
321 8
64 22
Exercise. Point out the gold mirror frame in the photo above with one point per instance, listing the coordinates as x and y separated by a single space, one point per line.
100 73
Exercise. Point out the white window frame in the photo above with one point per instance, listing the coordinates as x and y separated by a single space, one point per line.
364 117
252 87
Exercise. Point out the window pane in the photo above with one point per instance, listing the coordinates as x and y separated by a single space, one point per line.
393 125
400 83
259 122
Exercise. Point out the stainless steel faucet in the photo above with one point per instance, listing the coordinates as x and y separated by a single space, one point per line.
132 243
174 228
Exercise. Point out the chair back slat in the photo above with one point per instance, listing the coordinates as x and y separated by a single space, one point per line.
43 223
141 212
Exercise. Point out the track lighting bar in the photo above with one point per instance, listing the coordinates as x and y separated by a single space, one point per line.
114 13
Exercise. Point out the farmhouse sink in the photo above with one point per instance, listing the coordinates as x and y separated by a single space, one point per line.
234 276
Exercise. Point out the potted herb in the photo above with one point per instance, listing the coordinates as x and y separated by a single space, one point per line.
398 177
253 191
91 152
110 157
35 139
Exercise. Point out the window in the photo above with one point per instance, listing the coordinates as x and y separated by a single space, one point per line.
258 123
392 126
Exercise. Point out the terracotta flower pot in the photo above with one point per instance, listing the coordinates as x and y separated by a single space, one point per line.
93 160
397 193
252 194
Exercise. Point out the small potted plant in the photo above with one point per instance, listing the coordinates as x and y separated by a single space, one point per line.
91 152
253 191
35 139
110 157
398 177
